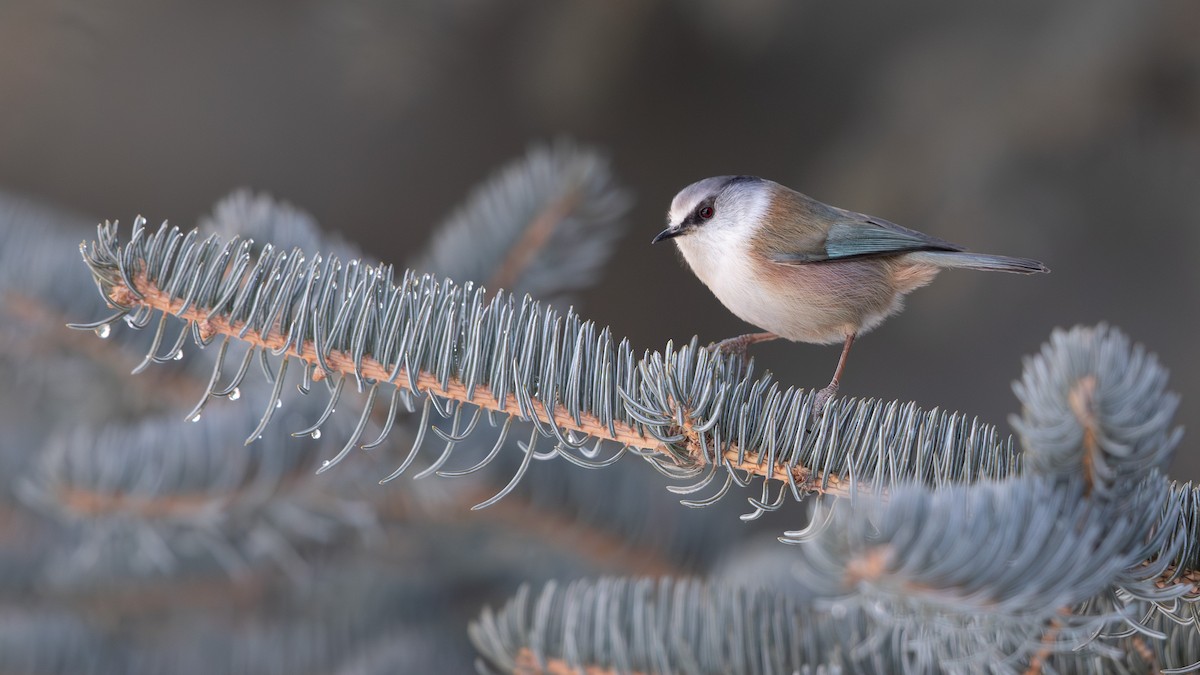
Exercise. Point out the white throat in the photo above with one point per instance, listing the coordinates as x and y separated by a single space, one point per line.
719 251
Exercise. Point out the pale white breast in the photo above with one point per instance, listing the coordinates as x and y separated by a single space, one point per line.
721 259
719 254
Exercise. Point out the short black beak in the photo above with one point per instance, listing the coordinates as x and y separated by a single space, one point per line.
667 234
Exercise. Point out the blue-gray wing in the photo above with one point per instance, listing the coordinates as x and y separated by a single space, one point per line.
861 236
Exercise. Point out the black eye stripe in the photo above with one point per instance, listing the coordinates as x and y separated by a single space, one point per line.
694 218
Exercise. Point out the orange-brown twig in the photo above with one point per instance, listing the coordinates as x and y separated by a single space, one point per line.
1081 399
528 665
535 236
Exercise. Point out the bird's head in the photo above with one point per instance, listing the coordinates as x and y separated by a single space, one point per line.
716 203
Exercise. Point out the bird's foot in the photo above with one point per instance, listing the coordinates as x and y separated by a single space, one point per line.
738 345
734 345
820 401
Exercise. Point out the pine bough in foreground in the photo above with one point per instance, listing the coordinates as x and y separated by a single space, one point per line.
935 546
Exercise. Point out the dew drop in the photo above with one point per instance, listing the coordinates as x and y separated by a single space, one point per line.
235 394
196 418
316 433
179 355
325 463
103 331
129 321
278 403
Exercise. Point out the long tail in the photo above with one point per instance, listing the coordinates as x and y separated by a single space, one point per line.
979 261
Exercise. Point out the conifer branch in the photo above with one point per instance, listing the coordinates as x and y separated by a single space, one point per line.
688 411
1096 406
534 239
544 224
145 295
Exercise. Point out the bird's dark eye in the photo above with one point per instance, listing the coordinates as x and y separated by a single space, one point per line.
705 212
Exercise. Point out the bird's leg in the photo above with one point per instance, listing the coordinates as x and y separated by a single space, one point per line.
822 398
738 345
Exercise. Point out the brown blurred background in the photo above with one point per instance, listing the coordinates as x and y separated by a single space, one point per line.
1066 131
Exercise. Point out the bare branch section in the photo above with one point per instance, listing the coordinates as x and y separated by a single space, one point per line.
1037 664
1082 399
527 664
90 503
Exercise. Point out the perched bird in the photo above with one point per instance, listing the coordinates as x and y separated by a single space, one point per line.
804 270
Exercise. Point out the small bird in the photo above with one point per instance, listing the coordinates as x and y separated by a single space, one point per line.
803 270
